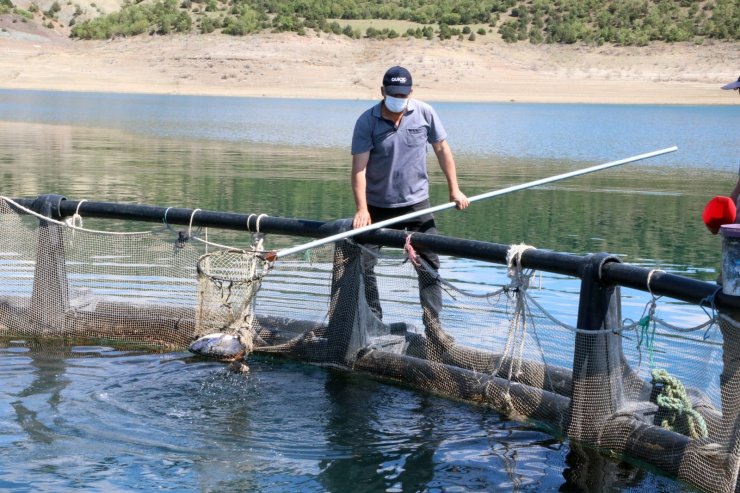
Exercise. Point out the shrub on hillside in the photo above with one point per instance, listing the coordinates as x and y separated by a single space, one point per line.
162 17
548 21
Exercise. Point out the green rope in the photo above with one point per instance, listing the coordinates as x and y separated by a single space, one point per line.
647 334
675 407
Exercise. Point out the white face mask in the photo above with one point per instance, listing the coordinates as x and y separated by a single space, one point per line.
395 105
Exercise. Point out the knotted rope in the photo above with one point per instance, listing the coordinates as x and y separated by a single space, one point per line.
410 251
515 339
519 277
675 407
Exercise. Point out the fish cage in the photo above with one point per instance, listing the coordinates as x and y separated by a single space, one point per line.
662 393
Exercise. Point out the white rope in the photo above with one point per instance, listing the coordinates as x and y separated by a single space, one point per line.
514 260
258 221
687 329
257 246
518 326
258 238
190 226
650 275
520 277
72 226
76 219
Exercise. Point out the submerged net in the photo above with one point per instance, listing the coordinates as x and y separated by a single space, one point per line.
662 393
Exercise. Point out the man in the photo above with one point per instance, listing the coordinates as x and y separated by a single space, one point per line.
389 179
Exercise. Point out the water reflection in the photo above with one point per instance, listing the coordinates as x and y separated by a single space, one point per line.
649 215
48 383
376 459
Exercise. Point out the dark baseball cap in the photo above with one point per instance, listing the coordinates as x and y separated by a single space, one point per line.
397 80
731 85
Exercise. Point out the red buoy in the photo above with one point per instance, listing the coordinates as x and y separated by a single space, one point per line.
718 211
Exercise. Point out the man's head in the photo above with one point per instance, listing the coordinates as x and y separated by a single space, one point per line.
397 82
733 85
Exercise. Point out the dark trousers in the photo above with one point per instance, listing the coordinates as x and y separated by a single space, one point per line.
430 292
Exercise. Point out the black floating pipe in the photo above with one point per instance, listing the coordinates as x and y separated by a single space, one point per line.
674 286
596 357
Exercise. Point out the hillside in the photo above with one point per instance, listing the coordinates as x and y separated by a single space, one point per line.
621 22
39 54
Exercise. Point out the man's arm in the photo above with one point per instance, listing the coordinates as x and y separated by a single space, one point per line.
447 163
359 165
735 191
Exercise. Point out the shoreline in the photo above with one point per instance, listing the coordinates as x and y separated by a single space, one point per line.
441 99
289 66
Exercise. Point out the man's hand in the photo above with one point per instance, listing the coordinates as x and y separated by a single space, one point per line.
362 218
460 199
359 165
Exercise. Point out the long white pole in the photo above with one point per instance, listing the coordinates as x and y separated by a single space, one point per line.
495 193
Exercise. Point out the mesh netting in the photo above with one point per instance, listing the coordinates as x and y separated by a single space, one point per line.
228 280
661 393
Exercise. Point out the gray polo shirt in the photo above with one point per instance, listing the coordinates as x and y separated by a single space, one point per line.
396 173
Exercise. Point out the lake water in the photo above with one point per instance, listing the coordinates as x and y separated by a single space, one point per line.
99 419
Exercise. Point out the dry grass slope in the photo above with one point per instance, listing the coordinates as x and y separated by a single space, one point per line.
335 66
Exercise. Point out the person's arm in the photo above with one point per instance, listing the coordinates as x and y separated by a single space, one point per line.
359 165
447 163
735 191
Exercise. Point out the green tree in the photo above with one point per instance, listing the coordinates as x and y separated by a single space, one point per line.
551 21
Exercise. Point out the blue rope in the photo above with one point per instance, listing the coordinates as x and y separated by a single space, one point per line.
710 300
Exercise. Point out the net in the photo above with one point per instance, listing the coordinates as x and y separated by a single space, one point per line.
228 280
662 393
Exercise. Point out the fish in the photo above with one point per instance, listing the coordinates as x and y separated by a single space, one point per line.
220 346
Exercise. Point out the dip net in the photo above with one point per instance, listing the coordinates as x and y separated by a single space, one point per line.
228 281
654 392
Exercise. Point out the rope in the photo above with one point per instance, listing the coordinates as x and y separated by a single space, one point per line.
410 251
258 238
711 299
520 277
650 276
190 226
517 335
76 219
183 237
646 333
164 219
71 226
675 407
